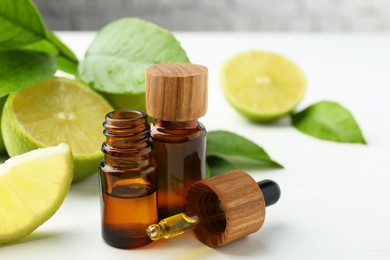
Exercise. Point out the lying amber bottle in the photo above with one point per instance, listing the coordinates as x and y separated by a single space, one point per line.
221 209
127 180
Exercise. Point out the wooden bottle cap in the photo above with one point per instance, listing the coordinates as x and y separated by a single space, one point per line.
176 91
241 199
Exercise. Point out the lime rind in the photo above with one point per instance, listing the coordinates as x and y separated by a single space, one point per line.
32 188
119 101
2 146
17 141
277 102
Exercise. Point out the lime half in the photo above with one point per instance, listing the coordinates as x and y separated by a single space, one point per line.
32 188
57 111
262 86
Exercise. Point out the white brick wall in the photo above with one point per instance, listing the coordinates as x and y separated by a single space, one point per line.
263 15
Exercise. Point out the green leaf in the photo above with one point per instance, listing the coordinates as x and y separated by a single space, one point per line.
208 170
64 50
66 59
117 58
329 121
41 46
66 65
20 23
228 145
21 69
217 165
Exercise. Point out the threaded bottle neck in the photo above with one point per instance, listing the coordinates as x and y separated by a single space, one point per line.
191 124
127 139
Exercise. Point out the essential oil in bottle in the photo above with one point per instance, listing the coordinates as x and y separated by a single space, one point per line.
176 96
127 180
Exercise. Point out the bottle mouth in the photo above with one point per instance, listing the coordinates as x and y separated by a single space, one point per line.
124 114
129 127
125 119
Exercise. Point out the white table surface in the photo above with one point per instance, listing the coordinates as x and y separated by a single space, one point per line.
335 200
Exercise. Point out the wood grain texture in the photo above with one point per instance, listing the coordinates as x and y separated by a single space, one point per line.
241 199
176 91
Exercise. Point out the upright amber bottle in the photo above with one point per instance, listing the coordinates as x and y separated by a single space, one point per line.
127 180
176 96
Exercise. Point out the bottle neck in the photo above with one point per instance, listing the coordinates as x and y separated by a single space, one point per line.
191 124
127 142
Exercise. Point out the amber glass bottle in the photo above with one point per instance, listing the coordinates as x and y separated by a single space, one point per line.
176 96
127 180
233 196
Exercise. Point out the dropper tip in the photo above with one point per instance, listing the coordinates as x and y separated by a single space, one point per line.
154 232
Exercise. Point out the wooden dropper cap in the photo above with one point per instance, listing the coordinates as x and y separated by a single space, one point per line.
176 91
243 201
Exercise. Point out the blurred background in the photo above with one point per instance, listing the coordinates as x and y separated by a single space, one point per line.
223 15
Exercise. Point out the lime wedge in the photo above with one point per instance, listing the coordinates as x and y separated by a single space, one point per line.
32 188
262 86
57 111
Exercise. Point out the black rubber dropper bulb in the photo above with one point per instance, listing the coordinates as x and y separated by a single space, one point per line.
270 190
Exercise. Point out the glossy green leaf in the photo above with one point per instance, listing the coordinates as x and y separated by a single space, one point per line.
329 121
208 170
217 165
41 46
20 23
64 50
66 65
117 58
228 145
66 59
21 69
